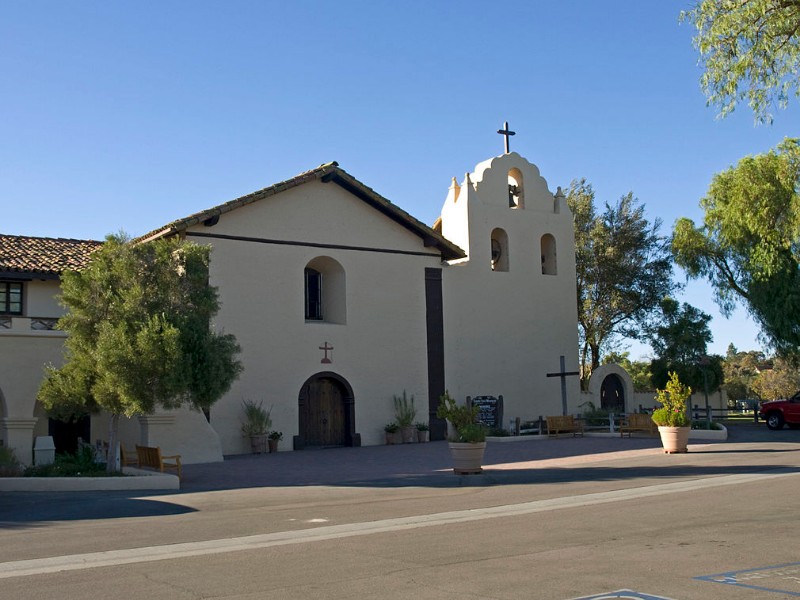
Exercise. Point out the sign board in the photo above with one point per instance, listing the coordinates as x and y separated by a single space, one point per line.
490 410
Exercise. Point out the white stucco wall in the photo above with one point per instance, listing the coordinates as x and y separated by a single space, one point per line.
24 352
504 331
380 351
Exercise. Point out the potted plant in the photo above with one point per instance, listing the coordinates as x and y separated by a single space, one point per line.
423 432
672 419
272 439
467 440
404 413
255 425
392 431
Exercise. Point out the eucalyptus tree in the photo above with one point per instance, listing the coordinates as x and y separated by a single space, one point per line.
624 269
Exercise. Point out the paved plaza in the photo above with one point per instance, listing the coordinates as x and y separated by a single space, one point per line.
553 519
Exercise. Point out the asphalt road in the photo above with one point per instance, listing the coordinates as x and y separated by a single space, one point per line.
718 522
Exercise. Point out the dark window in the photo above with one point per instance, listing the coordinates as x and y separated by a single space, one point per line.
313 295
10 298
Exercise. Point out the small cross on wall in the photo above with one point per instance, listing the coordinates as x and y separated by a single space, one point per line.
325 348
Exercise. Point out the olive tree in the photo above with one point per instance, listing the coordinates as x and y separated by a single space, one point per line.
140 334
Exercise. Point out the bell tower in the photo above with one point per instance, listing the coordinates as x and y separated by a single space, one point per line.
510 306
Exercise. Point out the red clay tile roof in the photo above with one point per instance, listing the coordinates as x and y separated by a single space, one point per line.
329 172
48 256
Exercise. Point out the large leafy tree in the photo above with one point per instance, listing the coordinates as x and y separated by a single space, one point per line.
750 51
748 246
624 269
780 379
680 342
140 334
639 370
741 370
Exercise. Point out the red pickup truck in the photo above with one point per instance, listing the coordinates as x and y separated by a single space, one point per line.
778 412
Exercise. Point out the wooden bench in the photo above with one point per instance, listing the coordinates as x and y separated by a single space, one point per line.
563 424
126 459
152 458
637 422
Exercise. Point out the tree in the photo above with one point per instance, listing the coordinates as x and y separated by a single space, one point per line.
624 269
639 370
140 336
749 50
780 381
679 343
748 247
741 370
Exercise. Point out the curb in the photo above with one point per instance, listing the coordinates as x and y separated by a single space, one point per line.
136 479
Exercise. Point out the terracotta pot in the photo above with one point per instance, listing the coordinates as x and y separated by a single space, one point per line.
674 439
394 437
409 434
258 444
467 458
273 445
423 436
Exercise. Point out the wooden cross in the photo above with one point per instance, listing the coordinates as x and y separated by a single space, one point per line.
506 132
563 374
325 360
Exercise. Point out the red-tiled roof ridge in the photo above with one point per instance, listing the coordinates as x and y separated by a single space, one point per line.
328 172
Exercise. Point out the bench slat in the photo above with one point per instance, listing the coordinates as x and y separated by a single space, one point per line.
152 458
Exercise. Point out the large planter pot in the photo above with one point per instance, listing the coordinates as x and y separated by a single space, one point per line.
393 437
258 444
423 436
674 439
467 458
409 434
273 445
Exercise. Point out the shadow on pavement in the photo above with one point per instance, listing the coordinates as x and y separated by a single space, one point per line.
25 508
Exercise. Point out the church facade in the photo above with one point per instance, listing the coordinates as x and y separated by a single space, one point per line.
341 300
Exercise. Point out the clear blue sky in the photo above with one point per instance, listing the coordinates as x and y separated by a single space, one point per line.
128 115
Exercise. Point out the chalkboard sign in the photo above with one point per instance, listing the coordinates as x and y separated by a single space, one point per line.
490 410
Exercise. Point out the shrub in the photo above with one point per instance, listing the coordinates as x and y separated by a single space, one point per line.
80 464
462 418
257 419
9 465
471 434
404 410
593 415
673 403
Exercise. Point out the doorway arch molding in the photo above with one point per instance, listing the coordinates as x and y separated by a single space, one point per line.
600 374
351 437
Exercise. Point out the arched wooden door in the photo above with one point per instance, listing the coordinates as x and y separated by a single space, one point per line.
322 413
612 394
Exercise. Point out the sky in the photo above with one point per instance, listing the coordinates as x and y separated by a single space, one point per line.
125 116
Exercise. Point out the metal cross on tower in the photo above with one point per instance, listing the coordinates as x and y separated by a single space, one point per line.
505 131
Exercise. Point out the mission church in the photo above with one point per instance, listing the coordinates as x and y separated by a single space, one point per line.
340 300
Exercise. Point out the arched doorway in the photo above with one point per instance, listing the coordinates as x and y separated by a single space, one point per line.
326 409
612 394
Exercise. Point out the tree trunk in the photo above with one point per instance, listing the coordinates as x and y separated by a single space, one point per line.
585 372
113 435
